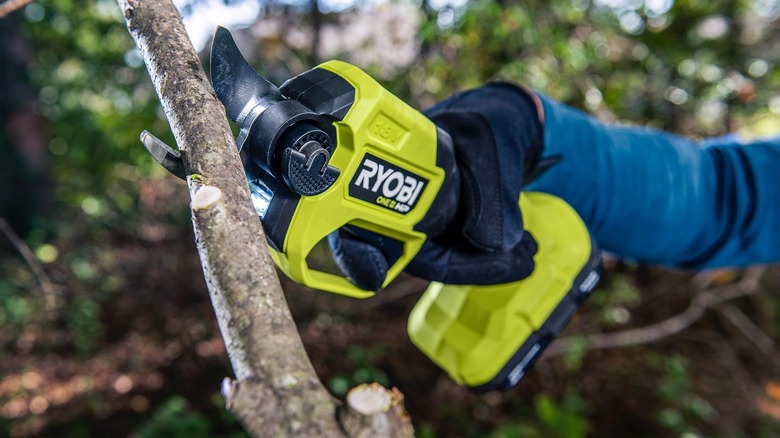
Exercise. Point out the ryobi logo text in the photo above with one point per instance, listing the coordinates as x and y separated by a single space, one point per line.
381 183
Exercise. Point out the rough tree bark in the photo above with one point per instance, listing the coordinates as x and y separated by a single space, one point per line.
276 391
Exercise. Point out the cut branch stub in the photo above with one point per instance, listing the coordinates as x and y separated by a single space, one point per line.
376 412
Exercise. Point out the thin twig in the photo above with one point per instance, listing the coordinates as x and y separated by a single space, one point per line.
748 328
48 289
703 300
10 6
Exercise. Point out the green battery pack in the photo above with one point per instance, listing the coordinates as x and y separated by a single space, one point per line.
487 337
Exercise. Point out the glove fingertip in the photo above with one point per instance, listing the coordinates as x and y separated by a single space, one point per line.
364 264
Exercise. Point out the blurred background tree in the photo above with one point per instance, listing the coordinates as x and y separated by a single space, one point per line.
128 343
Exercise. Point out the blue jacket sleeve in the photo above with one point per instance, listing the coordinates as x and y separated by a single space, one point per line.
660 198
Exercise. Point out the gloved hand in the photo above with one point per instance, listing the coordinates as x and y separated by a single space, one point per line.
498 141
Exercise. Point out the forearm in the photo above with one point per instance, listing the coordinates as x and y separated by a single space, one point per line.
660 198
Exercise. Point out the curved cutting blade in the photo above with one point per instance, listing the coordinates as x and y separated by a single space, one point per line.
168 157
236 83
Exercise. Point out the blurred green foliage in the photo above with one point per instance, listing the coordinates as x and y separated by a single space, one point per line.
362 362
96 95
552 421
682 409
696 67
545 419
174 418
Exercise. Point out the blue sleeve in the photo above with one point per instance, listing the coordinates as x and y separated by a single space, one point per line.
660 198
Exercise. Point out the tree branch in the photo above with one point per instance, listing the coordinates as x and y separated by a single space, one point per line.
702 301
48 289
277 392
749 329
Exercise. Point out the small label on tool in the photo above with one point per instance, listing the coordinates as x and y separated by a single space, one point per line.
590 282
387 185
384 129
518 371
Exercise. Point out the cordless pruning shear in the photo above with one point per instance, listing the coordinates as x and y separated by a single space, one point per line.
332 149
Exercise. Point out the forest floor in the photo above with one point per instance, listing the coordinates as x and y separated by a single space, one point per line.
132 347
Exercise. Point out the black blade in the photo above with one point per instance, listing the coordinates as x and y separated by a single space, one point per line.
236 83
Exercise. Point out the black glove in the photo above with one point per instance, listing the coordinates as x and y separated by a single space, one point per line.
498 140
